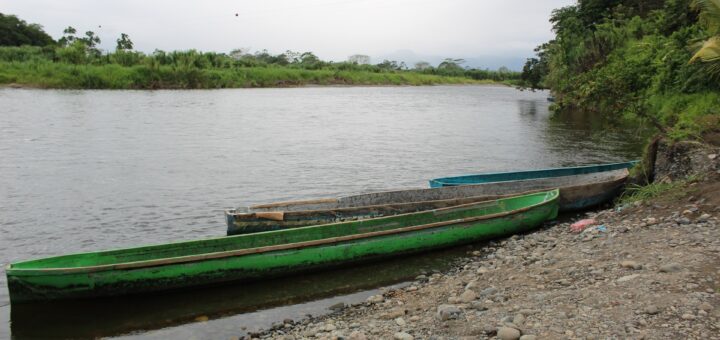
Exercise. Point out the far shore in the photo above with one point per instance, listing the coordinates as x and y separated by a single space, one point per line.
308 85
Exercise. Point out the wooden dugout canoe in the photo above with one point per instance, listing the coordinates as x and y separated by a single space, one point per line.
576 192
267 254
494 177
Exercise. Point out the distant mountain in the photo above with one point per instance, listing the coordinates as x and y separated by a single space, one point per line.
492 62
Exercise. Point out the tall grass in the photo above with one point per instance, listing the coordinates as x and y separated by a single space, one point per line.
74 67
45 74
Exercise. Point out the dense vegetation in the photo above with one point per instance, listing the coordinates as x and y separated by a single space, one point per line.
654 62
16 32
75 61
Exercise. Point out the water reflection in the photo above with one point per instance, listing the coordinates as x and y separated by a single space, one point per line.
229 305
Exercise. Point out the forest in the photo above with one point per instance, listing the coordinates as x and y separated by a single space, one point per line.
655 63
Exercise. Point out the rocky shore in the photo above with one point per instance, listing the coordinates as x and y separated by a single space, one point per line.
646 271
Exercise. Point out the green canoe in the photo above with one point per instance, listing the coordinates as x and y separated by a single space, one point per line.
273 253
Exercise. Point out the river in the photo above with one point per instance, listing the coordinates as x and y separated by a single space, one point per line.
91 170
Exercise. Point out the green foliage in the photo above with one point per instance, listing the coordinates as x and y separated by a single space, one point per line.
634 193
16 32
626 60
194 69
77 62
185 75
124 43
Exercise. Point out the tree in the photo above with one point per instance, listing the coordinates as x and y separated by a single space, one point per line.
451 67
239 53
16 32
359 59
68 36
390 65
124 43
422 65
450 63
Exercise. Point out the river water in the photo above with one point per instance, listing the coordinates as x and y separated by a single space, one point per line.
91 170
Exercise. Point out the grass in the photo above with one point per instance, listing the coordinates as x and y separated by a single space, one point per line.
47 74
668 191
688 115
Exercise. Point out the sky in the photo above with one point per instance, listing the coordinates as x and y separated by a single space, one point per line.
491 32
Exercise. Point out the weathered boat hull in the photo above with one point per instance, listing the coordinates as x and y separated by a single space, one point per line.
528 174
576 192
268 254
251 222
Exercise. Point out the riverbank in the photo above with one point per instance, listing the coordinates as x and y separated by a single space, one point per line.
51 75
647 270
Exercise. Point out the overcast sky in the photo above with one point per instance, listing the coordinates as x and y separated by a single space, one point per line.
332 29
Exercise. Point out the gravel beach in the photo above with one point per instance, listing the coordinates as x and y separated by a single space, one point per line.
649 270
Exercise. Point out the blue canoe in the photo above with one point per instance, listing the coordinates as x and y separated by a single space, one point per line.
581 194
493 177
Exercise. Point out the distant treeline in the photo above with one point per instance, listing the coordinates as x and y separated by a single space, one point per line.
29 57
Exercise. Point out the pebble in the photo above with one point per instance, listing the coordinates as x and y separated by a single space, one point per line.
403 336
706 307
394 313
652 310
519 319
630 265
376 299
488 291
357 335
627 278
670 268
704 218
468 296
337 307
528 337
507 333
688 316
447 312
400 322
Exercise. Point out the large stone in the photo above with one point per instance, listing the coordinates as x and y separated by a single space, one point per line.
507 333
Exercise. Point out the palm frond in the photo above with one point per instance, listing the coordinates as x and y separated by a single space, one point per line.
710 13
707 51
